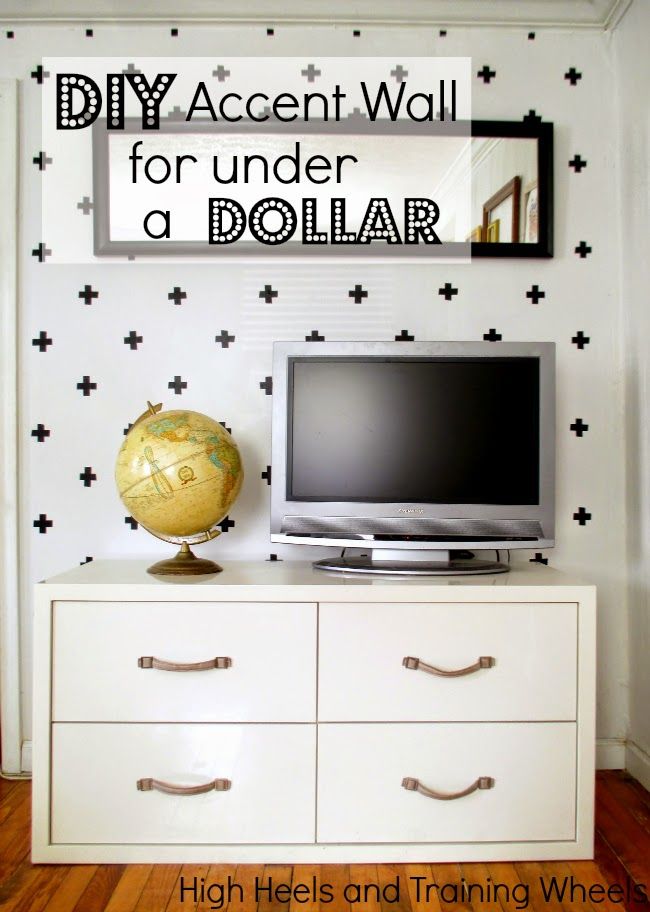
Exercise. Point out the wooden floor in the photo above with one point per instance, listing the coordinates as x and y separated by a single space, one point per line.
623 857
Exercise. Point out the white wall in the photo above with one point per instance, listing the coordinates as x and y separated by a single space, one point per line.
581 294
633 71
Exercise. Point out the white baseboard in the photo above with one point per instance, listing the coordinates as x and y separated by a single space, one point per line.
610 753
26 757
637 763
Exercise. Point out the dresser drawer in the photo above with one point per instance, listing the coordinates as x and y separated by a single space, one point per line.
267 653
96 769
362 676
361 770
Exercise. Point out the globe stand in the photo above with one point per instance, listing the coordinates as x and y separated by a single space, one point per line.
185 563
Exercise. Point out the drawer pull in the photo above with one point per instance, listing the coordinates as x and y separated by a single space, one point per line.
162 665
150 785
414 785
418 665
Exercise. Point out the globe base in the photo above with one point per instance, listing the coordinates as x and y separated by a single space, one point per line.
185 563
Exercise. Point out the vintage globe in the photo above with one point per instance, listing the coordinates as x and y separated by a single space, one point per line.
178 474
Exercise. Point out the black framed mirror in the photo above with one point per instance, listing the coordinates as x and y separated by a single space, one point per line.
512 188
495 179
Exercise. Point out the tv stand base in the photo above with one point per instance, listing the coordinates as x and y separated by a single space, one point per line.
391 562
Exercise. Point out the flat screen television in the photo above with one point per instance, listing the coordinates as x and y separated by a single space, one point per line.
413 451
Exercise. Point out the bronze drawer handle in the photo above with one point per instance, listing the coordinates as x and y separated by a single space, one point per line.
414 785
162 665
150 785
418 665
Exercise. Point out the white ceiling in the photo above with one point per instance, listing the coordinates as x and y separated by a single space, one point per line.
539 13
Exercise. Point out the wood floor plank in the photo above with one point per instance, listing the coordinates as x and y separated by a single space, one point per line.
589 874
190 877
421 898
449 879
97 894
538 876
624 834
217 878
512 893
393 893
478 884
307 900
70 890
337 876
158 889
622 787
17 884
47 882
246 876
128 888
274 876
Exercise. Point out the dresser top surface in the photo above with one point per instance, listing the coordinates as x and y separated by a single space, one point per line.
284 578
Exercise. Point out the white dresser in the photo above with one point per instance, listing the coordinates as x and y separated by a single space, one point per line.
321 719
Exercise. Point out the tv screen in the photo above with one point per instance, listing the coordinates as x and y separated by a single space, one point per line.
436 430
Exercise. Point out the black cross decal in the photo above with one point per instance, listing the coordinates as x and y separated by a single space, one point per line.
85 205
538 559
89 33
225 427
225 338
10 34
486 74
87 476
268 293
532 117
358 293
582 516
443 33
132 340
266 474
174 33
39 74
42 341
580 339
399 74
43 523
267 385
177 384
273 558
130 521
221 73
531 36
577 163
86 561
41 252
41 432
445 115
583 249
310 73
86 385
492 336
177 113
131 68
356 33
87 295
579 427
573 76
226 524
448 291
314 337
270 32
404 336
177 295
42 160
535 294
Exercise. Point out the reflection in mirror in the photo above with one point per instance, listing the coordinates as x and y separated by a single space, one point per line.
504 190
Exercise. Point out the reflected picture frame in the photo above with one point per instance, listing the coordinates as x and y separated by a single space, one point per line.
542 132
